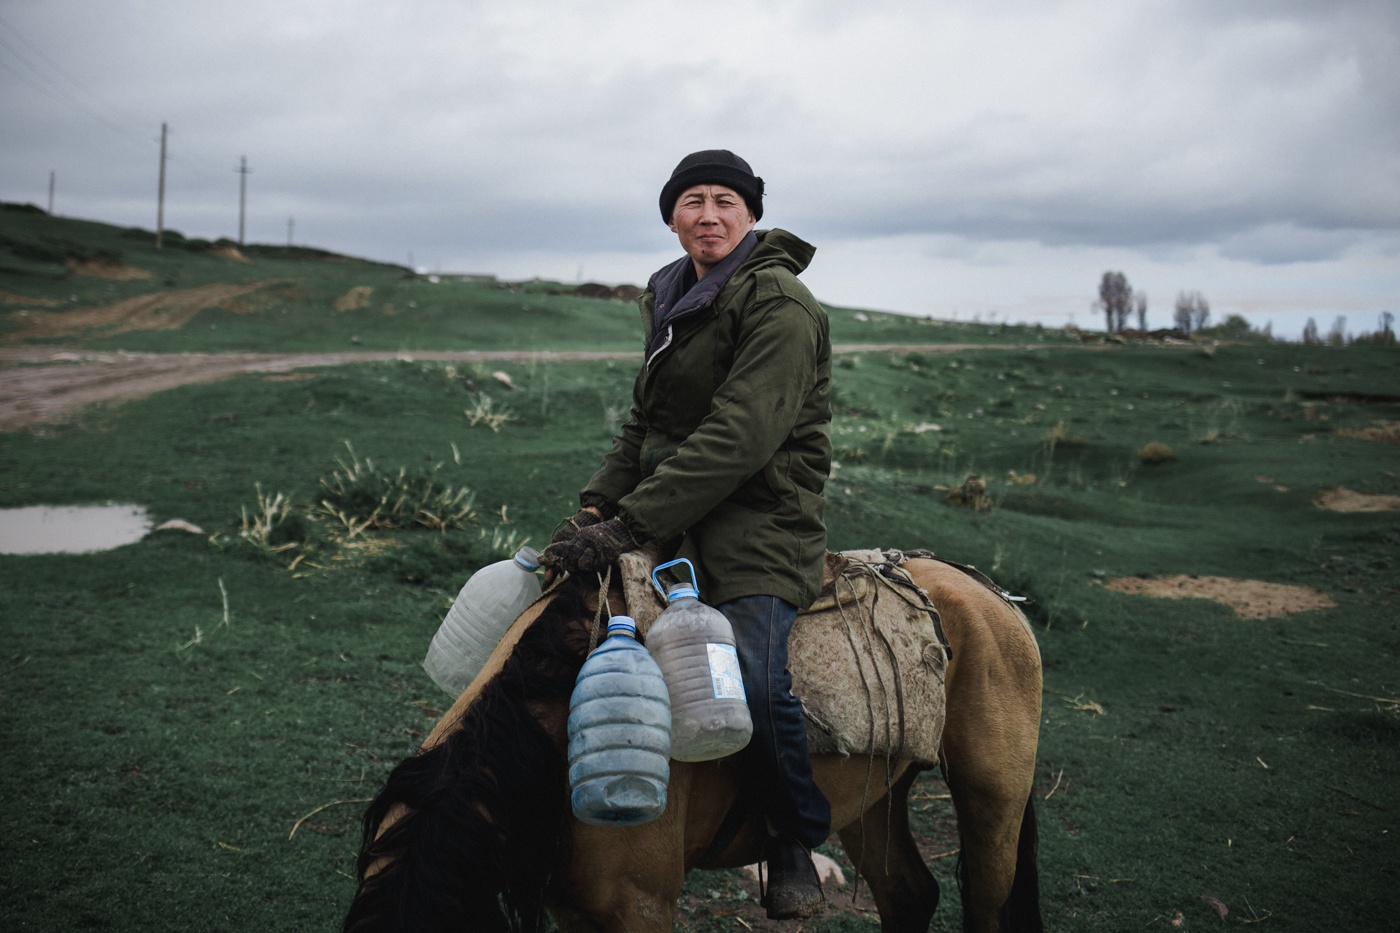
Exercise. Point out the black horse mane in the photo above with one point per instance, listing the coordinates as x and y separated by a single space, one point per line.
487 809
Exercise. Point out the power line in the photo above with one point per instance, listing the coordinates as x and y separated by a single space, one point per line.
40 72
38 78
68 77
68 99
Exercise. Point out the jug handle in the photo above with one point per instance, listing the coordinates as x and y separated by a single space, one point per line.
695 584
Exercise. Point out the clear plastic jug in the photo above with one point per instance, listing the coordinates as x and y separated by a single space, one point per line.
483 610
693 644
619 733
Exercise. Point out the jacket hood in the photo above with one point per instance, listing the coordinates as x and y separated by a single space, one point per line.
779 248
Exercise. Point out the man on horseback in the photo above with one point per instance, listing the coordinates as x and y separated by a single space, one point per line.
723 460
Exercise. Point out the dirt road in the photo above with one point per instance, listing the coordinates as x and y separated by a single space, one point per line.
43 386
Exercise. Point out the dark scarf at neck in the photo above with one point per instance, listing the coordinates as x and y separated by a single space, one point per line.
678 293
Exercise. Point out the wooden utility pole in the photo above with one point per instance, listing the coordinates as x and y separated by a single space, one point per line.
242 194
51 174
291 222
160 201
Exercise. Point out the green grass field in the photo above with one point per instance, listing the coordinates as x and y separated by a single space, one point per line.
173 709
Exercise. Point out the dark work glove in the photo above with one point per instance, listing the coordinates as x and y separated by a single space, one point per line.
573 525
592 549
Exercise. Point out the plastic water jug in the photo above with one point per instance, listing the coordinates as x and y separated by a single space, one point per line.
486 606
693 644
619 733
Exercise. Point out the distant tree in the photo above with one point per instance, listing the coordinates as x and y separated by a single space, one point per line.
1384 335
1115 300
1192 312
1310 332
1337 336
1181 316
1234 327
1140 305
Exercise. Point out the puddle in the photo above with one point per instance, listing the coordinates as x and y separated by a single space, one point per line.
71 529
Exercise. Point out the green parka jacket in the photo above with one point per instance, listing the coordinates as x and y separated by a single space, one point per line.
727 449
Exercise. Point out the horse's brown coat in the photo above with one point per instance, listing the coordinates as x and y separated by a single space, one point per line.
629 879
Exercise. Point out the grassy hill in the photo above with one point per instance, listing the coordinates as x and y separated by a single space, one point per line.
92 284
173 709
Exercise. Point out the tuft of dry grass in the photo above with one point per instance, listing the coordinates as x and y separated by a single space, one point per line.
972 492
486 413
1156 452
1059 436
260 528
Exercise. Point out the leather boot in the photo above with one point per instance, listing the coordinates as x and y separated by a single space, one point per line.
794 891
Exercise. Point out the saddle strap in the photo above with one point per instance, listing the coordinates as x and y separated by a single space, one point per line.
899 557
739 813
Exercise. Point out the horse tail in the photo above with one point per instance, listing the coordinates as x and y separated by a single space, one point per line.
1022 911
479 820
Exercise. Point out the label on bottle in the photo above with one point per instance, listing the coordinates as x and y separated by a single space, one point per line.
724 672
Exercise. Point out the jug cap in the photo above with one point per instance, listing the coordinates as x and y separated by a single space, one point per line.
622 625
681 591
529 558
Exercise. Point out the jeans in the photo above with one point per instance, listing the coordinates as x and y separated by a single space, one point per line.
793 804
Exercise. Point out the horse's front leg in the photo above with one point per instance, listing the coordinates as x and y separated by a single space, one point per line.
626 879
621 879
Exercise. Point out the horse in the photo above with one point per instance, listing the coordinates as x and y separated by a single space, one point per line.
474 831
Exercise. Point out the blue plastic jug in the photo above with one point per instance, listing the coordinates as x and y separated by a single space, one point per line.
693 644
619 733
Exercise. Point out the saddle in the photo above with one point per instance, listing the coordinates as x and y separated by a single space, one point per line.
868 658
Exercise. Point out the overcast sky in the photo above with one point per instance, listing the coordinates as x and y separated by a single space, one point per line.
953 158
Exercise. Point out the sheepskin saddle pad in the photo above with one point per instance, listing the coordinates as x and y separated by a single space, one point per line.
868 659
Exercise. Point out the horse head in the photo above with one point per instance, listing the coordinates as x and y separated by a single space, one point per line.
467 832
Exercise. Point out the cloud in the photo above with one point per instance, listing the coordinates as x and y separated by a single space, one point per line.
537 134
1275 244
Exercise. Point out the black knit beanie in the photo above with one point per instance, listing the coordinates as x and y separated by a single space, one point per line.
713 167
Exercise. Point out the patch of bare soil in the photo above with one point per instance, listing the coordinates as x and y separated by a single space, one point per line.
230 252
14 298
1342 499
1387 432
156 311
1250 599
106 269
356 297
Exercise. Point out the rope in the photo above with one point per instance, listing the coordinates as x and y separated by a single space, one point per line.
865 685
604 583
845 579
